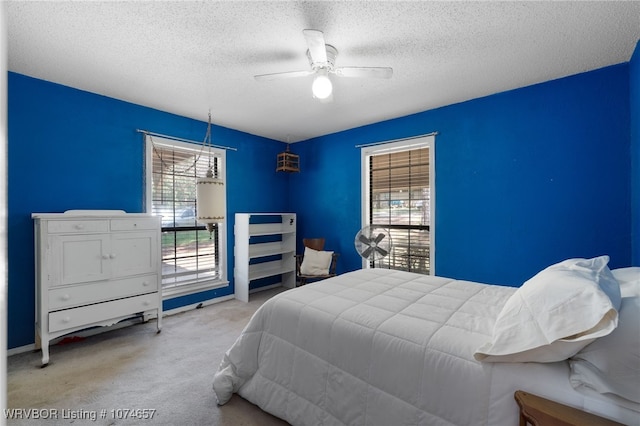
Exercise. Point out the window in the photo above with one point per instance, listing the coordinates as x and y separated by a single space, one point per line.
192 259
398 196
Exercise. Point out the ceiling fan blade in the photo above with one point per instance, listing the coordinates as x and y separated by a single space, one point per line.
369 72
282 75
316 45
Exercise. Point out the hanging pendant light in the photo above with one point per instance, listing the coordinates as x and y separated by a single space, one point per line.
210 193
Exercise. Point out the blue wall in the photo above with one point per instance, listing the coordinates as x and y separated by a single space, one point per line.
70 149
634 97
525 178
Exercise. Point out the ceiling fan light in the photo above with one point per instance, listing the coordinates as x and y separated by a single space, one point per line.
322 86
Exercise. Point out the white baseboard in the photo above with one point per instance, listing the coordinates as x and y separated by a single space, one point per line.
197 305
266 287
21 349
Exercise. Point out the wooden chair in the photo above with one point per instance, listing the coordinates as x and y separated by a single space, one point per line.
315 244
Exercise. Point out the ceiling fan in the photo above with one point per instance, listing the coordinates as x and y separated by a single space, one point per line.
322 58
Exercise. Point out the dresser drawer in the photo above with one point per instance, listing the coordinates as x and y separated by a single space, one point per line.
132 224
78 295
100 312
77 226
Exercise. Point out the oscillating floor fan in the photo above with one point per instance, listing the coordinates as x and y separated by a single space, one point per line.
373 243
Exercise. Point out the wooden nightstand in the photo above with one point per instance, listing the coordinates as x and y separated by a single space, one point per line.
544 412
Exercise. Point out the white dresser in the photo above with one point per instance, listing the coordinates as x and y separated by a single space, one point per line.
94 268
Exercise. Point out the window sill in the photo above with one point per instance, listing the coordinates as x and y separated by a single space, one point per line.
186 289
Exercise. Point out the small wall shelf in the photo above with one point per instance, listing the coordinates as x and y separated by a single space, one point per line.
265 246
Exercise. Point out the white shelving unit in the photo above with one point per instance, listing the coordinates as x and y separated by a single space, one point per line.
265 246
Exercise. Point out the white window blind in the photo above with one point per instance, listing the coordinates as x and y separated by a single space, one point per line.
192 259
399 198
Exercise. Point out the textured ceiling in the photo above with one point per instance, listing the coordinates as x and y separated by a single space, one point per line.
191 57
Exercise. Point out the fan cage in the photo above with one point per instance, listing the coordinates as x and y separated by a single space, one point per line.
371 252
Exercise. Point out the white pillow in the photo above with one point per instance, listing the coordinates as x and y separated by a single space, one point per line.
611 364
627 277
315 262
556 313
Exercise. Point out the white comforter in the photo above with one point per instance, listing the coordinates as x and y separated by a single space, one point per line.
383 347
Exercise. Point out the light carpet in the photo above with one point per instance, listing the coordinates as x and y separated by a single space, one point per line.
116 376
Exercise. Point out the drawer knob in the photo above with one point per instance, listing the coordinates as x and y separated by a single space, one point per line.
112 256
146 303
79 226
145 283
105 256
66 319
66 297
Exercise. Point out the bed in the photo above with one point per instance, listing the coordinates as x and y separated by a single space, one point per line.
385 347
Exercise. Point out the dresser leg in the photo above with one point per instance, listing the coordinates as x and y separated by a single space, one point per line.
45 355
